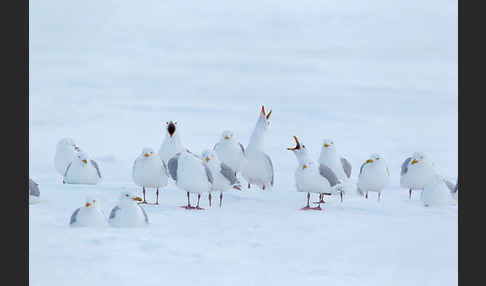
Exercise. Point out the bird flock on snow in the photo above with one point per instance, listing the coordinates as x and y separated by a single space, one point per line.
217 170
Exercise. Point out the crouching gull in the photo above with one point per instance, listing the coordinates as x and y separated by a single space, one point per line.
373 176
224 178
128 213
66 152
436 192
258 168
172 143
88 215
312 179
230 152
82 170
34 192
190 175
150 172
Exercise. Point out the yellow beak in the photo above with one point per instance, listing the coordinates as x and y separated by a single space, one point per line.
369 161
87 204
305 166
146 154
85 161
139 199
207 159
414 161
326 145
226 137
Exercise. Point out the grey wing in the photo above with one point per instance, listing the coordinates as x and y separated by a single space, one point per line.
242 148
74 216
346 167
96 167
450 186
172 166
405 166
67 168
271 167
327 173
166 172
144 213
208 173
215 146
33 188
113 212
229 174
361 168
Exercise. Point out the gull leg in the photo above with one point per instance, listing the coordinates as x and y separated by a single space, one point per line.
209 198
318 208
188 203
321 199
341 194
379 196
307 207
198 199
263 187
249 186
410 194
157 200
366 195
144 201
220 199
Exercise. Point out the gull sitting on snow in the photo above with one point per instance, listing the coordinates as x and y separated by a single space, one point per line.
128 213
82 170
172 143
66 152
258 168
373 176
230 152
34 192
191 175
150 172
224 178
310 178
436 192
88 215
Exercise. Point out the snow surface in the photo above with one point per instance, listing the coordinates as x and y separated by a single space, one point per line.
377 76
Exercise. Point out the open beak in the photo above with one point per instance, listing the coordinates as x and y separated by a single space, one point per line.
369 161
85 161
171 128
146 155
266 115
207 159
414 161
138 199
326 145
87 204
297 145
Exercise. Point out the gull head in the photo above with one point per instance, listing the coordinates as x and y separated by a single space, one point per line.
91 203
299 150
171 127
66 143
209 157
328 145
147 153
129 197
226 136
83 157
418 157
374 158
265 117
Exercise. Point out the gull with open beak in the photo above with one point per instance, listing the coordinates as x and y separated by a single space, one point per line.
416 171
373 176
224 178
311 178
258 167
34 192
191 175
172 143
82 170
89 215
230 152
66 152
150 172
128 212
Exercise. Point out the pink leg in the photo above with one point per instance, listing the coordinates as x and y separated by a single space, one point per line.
366 195
220 199
307 207
188 203
198 199
209 198
157 201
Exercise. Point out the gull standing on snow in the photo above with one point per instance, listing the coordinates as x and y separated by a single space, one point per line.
312 179
150 172
230 152
34 192
191 175
82 170
224 178
66 151
128 213
172 143
373 176
339 165
88 215
436 192
258 168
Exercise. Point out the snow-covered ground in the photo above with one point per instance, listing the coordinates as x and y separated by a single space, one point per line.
377 76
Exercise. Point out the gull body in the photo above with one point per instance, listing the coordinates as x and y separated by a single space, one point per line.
224 178
258 168
66 152
373 176
82 170
172 143
436 192
34 193
190 175
128 213
88 215
230 152
149 171
415 172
